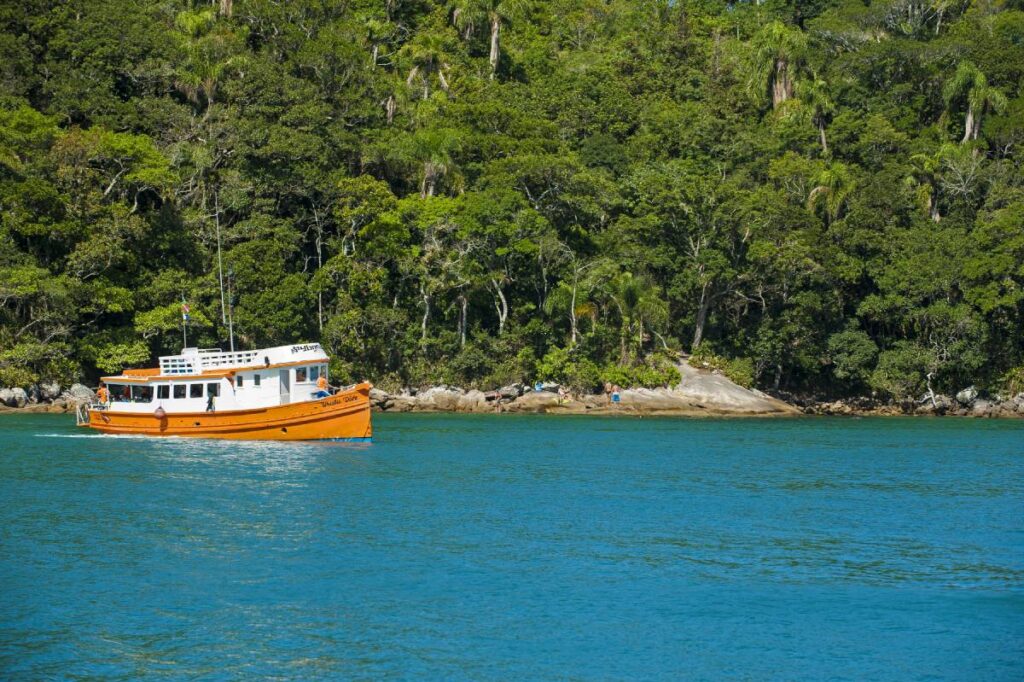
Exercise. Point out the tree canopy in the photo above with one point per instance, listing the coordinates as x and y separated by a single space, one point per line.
827 195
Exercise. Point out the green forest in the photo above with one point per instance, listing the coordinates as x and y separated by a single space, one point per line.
818 197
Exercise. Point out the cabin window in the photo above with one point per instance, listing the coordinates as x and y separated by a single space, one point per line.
314 372
179 391
213 390
195 390
300 374
255 379
142 394
119 393
163 392
239 380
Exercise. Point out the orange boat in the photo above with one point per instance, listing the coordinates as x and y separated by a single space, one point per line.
277 393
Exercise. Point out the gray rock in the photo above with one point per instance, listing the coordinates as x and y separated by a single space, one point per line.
982 408
49 390
379 397
536 401
967 396
511 392
473 401
437 399
1006 408
79 394
14 397
33 393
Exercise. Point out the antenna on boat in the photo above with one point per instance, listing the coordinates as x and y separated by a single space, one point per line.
231 305
220 262
184 322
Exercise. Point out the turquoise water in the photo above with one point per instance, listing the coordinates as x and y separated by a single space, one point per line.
515 547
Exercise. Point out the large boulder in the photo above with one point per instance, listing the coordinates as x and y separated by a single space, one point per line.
438 399
967 396
716 393
79 394
982 408
13 397
379 398
49 390
511 392
535 401
474 401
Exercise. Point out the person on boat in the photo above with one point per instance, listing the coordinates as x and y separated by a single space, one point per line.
323 388
102 394
209 403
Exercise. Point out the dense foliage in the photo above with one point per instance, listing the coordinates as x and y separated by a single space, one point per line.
825 196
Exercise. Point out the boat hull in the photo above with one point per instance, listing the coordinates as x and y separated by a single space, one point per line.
343 416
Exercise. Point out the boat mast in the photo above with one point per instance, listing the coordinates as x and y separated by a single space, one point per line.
231 305
184 322
220 262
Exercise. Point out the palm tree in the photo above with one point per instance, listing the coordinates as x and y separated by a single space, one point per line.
467 14
638 303
834 185
207 56
814 93
429 56
778 51
970 83
924 179
431 150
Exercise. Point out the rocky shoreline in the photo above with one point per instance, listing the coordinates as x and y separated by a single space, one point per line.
44 397
701 393
966 403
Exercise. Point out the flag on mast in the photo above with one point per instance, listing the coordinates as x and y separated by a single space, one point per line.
184 311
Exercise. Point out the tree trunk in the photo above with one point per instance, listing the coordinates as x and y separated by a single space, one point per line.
389 107
501 305
495 49
933 208
782 88
968 125
225 8
821 133
425 296
462 321
428 186
702 317
572 313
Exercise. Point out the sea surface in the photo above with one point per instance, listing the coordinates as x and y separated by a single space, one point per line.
504 547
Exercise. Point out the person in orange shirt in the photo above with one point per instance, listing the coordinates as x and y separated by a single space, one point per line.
101 394
322 387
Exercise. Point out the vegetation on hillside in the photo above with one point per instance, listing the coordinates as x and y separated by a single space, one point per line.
825 196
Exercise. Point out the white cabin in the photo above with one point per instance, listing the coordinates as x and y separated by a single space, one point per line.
201 379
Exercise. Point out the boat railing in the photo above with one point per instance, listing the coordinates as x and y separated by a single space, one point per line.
206 359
